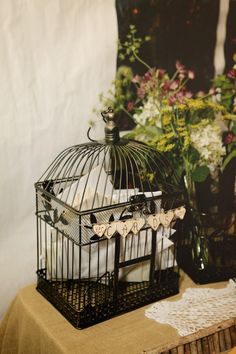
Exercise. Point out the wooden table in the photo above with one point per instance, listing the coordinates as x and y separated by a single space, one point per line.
33 326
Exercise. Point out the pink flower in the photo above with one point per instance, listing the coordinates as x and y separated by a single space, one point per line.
232 74
172 100
130 106
182 76
152 85
141 92
136 79
191 74
181 96
166 86
180 67
173 85
200 93
160 73
147 76
229 138
212 91
188 94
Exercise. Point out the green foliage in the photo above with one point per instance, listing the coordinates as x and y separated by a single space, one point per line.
226 90
200 173
194 155
131 46
228 158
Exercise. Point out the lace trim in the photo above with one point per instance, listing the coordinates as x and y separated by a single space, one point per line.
198 309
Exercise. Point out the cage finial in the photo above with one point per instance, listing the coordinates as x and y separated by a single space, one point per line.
112 134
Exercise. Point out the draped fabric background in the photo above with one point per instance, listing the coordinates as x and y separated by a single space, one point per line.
56 57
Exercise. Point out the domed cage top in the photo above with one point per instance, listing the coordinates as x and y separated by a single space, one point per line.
105 214
100 174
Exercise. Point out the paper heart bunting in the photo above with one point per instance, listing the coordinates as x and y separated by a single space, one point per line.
124 227
154 221
110 229
99 229
180 212
166 218
137 225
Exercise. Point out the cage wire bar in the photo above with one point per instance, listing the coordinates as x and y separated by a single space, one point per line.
108 218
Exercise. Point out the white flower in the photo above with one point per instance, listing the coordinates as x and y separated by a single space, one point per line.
150 109
206 139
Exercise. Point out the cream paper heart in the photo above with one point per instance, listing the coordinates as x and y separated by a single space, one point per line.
137 225
154 221
180 212
166 218
111 228
99 229
124 227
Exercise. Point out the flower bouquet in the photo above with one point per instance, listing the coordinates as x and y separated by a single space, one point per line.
196 132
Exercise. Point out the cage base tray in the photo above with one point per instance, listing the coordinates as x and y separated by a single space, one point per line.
87 303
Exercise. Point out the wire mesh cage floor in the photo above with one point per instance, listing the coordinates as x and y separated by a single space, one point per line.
108 219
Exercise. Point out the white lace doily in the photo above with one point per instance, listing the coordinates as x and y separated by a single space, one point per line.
198 309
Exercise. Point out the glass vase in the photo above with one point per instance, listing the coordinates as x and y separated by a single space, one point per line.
207 249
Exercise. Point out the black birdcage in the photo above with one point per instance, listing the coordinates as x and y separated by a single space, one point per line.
108 217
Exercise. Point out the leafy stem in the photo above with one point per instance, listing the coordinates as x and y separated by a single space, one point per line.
141 61
125 111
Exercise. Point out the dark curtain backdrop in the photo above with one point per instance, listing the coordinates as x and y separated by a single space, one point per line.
230 43
180 29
